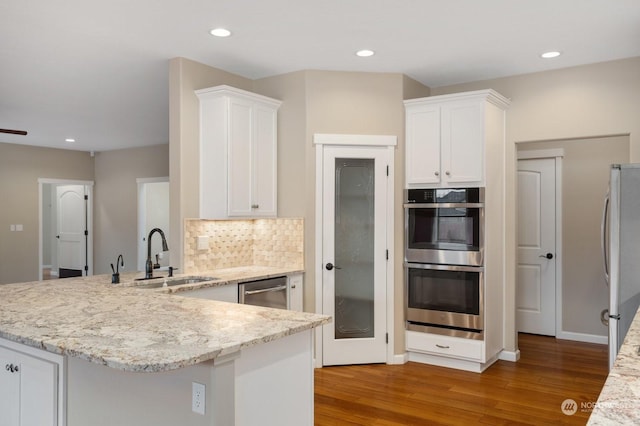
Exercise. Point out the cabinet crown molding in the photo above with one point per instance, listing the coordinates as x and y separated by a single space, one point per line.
225 90
489 95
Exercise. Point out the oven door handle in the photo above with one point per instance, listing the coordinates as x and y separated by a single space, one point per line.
445 267
443 205
265 290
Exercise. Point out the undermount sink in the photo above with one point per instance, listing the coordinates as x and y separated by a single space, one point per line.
170 282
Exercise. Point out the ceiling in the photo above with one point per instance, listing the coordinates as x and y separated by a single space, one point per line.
97 71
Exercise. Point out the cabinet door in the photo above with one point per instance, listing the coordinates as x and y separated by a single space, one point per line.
264 159
463 143
38 393
295 292
28 396
9 390
239 161
423 146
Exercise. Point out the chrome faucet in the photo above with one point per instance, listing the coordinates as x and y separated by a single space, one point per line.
148 271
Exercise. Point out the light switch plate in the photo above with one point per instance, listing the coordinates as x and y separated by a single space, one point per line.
203 242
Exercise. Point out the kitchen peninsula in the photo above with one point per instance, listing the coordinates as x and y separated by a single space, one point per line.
120 354
619 400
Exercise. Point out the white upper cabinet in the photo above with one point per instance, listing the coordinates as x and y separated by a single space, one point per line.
446 138
238 153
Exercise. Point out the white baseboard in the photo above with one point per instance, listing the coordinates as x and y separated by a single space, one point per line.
399 359
583 337
512 356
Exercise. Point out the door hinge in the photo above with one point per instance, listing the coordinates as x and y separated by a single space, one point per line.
86 197
86 233
387 254
386 338
387 170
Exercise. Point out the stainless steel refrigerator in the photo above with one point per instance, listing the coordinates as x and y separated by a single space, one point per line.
621 251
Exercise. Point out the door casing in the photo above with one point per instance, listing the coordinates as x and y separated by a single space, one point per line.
55 182
377 141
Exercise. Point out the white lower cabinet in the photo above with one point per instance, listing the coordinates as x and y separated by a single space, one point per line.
229 293
223 293
451 352
31 392
455 347
295 283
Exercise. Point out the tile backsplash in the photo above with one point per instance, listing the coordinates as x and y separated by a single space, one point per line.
232 243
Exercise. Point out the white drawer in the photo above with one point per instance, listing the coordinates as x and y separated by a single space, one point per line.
454 347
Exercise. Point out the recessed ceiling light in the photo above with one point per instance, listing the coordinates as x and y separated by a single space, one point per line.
549 55
365 52
70 140
220 32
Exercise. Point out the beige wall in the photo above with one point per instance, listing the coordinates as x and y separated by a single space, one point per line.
20 168
578 102
116 202
585 176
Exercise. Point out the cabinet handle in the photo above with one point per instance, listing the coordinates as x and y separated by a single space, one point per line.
437 173
255 206
12 368
448 173
442 346
293 286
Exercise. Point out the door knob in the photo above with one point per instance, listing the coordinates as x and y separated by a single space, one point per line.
547 256
330 266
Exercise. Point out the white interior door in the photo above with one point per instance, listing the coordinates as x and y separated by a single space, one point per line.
153 212
354 264
72 223
536 267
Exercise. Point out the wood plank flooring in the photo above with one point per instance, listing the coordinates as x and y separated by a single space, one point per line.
528 392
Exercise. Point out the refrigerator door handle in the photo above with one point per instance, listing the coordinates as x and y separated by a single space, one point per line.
603 240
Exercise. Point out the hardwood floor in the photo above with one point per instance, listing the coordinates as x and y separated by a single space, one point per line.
529 391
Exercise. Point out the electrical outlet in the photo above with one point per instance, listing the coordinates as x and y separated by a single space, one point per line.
197 398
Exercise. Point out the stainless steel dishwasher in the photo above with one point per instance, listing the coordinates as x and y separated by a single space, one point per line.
270 293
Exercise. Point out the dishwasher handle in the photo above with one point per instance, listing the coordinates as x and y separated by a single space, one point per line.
265 290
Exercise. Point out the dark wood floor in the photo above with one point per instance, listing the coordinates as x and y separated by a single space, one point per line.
527 392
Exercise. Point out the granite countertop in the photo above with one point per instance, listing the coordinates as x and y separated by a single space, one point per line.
619 400
142 330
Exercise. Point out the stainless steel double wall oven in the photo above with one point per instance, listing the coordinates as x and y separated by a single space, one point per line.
444 261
